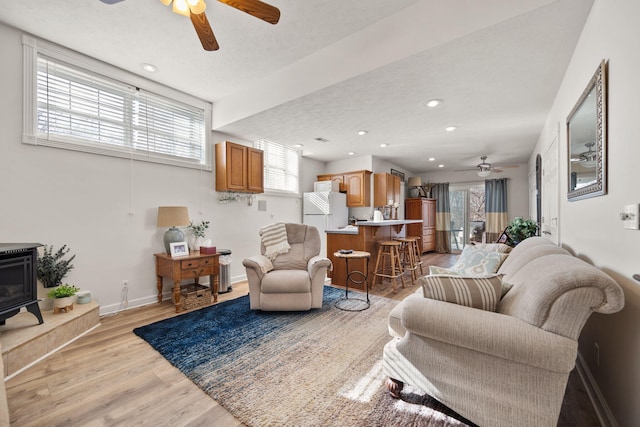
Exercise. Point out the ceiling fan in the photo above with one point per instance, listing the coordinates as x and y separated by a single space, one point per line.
194 9
484 169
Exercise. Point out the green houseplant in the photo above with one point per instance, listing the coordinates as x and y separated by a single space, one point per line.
520 229
198 230
62 297
52 267
63 291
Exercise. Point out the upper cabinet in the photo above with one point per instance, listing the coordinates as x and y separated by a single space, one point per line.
356 184
239 168
385 187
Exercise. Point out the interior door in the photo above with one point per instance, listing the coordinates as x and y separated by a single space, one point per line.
550 183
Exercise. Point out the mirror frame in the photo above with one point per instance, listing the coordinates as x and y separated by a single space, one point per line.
599 188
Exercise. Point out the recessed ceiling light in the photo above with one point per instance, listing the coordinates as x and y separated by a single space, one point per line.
434 103
150 68
298 145
431 159
321 139
351 153
362 132
440 166
451 128
384 145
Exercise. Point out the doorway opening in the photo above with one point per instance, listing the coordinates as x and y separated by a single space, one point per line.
468 217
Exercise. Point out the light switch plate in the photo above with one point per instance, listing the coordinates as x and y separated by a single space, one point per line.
633 217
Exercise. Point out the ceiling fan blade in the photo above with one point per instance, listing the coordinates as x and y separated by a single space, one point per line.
204 31
261 10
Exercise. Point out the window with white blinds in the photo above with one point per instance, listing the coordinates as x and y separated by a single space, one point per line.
281 166
82 110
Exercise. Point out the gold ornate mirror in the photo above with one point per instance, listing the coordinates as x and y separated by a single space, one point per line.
587 140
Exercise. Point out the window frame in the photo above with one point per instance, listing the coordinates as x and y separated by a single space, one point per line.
263 144
32 48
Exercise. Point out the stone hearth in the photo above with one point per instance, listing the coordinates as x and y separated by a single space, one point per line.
24 341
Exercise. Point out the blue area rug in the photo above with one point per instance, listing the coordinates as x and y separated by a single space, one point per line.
317 368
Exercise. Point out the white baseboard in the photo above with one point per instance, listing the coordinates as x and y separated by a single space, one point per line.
116 308
605 416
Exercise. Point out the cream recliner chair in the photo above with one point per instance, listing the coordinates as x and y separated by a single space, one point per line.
296 281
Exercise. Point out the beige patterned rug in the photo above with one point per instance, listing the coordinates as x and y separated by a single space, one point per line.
316 368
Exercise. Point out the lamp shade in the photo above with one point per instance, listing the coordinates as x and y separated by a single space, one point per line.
414 181
173 216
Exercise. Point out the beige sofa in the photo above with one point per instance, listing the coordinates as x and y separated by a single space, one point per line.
295 279
509 367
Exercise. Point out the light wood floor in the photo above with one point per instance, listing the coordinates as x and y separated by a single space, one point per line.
110 377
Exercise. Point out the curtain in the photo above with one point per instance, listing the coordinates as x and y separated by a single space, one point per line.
440 192
495 207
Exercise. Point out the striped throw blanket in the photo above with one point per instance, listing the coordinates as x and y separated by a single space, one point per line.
274 239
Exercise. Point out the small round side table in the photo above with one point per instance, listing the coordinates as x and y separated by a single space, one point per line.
347 303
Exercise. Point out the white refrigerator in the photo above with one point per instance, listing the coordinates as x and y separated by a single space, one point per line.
325 211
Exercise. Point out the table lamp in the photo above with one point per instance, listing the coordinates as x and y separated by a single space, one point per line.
414 184
173 217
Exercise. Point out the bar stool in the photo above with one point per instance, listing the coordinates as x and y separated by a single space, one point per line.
389 250
408 256
417 255
357 277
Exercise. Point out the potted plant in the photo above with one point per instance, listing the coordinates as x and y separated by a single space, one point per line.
52 267
198 230
62 297
520 229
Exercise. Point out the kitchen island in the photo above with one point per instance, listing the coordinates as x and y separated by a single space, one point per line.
365 236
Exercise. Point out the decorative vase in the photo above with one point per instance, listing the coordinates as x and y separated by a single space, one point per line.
195 243
60 304
414 192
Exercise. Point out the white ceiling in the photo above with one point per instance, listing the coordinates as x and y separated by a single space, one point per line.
332 67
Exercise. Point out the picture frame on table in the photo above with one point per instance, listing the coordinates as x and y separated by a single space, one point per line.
398 174
179 249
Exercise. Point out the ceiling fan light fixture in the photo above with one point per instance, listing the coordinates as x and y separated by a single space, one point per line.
181 7
197 6
484 173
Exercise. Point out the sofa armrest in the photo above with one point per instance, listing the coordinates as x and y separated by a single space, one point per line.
318 262
258 264
488 332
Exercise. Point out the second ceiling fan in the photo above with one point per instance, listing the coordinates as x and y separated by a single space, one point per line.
194 9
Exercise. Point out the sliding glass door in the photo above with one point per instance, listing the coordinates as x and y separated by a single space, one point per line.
467 203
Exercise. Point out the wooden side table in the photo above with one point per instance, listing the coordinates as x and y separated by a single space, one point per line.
193 266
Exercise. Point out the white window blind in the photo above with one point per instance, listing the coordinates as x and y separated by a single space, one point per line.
83 110
281 166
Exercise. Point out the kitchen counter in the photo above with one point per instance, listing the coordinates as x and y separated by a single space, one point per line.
353 229
388 222
365 236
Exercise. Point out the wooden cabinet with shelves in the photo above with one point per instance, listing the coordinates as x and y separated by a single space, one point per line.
356 184
424 209
385 187
239 168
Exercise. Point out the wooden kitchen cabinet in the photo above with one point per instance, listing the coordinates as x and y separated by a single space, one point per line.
424 209
356 184
385 187
239 168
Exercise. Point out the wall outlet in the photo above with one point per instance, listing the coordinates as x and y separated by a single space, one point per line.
125 284
631 217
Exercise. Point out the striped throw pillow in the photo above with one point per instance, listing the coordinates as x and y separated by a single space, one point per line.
477 292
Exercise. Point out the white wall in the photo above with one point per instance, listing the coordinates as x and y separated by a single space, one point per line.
590 228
